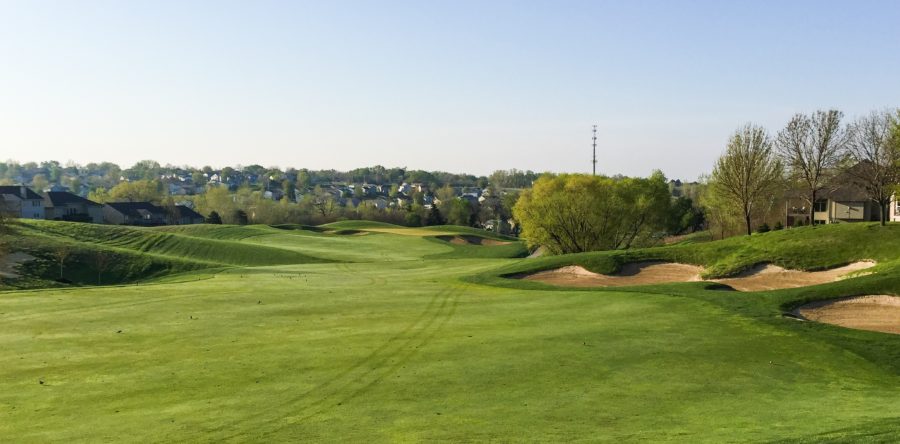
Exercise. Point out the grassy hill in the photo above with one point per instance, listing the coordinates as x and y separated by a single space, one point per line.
804 248
406 337
132 253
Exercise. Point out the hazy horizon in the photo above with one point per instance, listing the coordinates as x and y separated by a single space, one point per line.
466 88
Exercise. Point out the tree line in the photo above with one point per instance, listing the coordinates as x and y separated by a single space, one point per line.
812 154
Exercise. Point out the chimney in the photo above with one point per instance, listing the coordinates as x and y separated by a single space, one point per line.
24 192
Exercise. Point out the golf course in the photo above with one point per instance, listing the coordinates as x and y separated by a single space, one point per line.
369 332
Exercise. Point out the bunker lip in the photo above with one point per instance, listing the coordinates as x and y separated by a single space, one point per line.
468 239
879 313
763 277
758 278
631 274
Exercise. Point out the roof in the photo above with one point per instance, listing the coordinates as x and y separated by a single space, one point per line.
17 191
182 211
57 198
140 210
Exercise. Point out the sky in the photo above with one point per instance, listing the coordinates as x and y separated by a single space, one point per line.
461 86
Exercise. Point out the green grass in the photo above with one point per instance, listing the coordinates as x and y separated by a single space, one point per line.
410 339
137 253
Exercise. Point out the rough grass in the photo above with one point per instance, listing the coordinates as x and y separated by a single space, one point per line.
400 348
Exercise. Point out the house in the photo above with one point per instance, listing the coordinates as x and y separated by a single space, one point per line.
379 203
61 205
183 215
21 202
847 202
134 213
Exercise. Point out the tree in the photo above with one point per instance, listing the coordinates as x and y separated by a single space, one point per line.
811 147
434 217
214 218
577 213
748 173
460 212
102 260
240 217
61 254
288 188
874 146
39 182
137 191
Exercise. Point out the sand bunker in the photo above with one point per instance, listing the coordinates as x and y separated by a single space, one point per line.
876 313
636 273
464 239
759 278
772 277
9 263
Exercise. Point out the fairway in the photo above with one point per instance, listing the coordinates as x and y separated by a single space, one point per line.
396 336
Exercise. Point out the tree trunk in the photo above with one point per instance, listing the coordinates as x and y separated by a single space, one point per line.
812 209
884 210
749 228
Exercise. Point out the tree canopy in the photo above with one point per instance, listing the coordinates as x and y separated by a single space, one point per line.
573 213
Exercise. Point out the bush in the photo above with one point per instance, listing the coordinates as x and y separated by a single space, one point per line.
764 228
778 226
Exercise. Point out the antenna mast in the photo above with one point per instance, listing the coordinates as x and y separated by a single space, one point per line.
595 151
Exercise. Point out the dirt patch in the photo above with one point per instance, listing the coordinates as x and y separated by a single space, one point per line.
10 262
875 313
465 239
771 277
636 273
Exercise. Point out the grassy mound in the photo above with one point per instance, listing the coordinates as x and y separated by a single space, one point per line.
806 248
131 253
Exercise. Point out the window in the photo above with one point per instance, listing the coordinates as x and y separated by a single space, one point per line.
820 206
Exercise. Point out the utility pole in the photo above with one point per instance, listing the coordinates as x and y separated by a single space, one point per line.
595 151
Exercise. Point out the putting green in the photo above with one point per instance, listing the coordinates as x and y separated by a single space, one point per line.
389 346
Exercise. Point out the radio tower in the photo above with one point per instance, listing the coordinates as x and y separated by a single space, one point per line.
595 151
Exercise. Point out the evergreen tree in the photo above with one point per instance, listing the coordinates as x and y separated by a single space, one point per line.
214 218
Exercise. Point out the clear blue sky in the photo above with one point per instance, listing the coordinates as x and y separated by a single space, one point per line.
459 86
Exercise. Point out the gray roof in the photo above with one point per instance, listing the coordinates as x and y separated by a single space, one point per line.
16 190
58 198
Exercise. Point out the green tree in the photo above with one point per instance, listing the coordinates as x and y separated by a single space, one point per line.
138 191
214 218
748 174
434 217
577 213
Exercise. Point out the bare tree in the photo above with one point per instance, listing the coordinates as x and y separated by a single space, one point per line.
875 149
748 173
61 254
102 261
811 147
